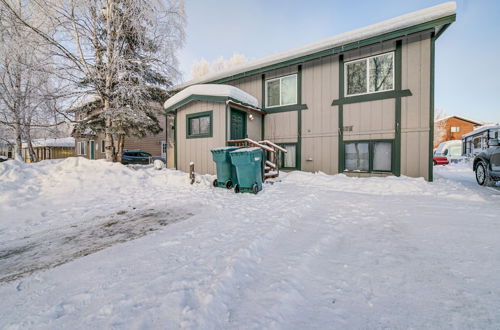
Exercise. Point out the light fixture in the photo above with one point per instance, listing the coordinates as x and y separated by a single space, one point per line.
250 116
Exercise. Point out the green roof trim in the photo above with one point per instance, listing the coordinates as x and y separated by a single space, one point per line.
340 49
285 108
207 98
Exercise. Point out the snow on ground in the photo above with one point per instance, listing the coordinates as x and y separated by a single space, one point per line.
99 245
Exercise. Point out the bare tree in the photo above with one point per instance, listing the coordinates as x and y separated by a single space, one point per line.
113 49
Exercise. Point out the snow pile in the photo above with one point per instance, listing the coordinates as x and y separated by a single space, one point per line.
68 142
310 252
394 24
213 90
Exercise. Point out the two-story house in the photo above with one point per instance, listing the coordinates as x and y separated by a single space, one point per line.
360 103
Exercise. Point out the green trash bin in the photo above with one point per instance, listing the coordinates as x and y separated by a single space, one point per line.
226 172
248 163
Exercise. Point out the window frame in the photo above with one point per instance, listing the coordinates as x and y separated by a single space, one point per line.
371 151
367 59
281 164
80 145
455 129
267 81
191 116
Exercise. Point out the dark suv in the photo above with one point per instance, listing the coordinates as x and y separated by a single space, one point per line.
487 164
136 157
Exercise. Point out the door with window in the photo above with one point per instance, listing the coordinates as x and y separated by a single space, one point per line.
164 149
92 150
238 125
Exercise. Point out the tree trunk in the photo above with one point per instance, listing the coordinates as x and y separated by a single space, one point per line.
19 142
119 148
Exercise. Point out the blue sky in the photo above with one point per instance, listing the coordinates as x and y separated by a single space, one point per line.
467 54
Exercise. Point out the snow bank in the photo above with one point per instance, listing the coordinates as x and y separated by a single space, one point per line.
213 90
394 24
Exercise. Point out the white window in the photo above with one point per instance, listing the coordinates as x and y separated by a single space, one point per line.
382 156
281 91
163 148
369 75
455 129
82 148
357 156
369 156
289 159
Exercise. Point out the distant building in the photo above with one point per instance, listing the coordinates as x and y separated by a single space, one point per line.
49 149
452 128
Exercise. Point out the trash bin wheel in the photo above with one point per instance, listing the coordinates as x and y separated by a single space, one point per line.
215 183
237 189
229 184
255 188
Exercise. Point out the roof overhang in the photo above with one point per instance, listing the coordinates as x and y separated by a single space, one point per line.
434 19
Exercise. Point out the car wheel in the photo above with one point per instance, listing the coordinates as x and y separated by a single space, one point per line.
483 175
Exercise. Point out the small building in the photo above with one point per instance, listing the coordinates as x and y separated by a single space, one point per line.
49 149
479 139
7 149
359 103
452 128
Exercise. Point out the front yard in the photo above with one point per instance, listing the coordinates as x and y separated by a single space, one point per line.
88 244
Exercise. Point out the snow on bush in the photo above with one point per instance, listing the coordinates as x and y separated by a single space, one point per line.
158 164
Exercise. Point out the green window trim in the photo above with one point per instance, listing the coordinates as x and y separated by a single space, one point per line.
373 97
286 108
370 155
282 159
199 115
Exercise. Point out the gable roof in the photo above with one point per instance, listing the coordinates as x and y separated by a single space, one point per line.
461 118
210 92
436 17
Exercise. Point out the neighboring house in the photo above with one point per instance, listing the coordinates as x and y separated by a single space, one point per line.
91 144
7 149
452 128
50 149
479 139
360 103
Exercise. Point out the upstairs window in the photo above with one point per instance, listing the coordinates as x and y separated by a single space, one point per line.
370 75
455 129
281 91
199 125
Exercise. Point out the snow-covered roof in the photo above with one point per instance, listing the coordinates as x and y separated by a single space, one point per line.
401 22
481 129
61 142
223 91
462 118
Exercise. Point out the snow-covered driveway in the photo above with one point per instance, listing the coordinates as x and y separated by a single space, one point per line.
310 252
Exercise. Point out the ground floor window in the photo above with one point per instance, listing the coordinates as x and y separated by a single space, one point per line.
103 145
199 125
288 159
368 156
82 148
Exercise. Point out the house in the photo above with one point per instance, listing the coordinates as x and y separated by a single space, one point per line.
7 149
49 149
359 103
479 139
91 143
452 128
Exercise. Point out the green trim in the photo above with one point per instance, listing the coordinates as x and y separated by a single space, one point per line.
198 115
262 102
341 116
398 65
285 108
298 149
441 31
373 96
175 141
340 49
431 110
226 114
207 98
371 149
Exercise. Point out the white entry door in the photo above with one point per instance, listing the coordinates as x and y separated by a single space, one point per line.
164 149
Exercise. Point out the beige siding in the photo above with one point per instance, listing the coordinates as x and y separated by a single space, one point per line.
149 143
370 120
254 127
416 66
320 120
370 51
281 127
197 150
251 85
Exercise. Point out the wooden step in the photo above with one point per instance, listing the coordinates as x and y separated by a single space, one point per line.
270 164
271 175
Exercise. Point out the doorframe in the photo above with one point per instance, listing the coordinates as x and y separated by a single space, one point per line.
245 132
91 149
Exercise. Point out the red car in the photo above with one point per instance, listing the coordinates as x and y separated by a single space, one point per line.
440 160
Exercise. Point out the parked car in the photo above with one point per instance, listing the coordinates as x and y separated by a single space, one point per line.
440 160
3 158
452 150
487 164
136 157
